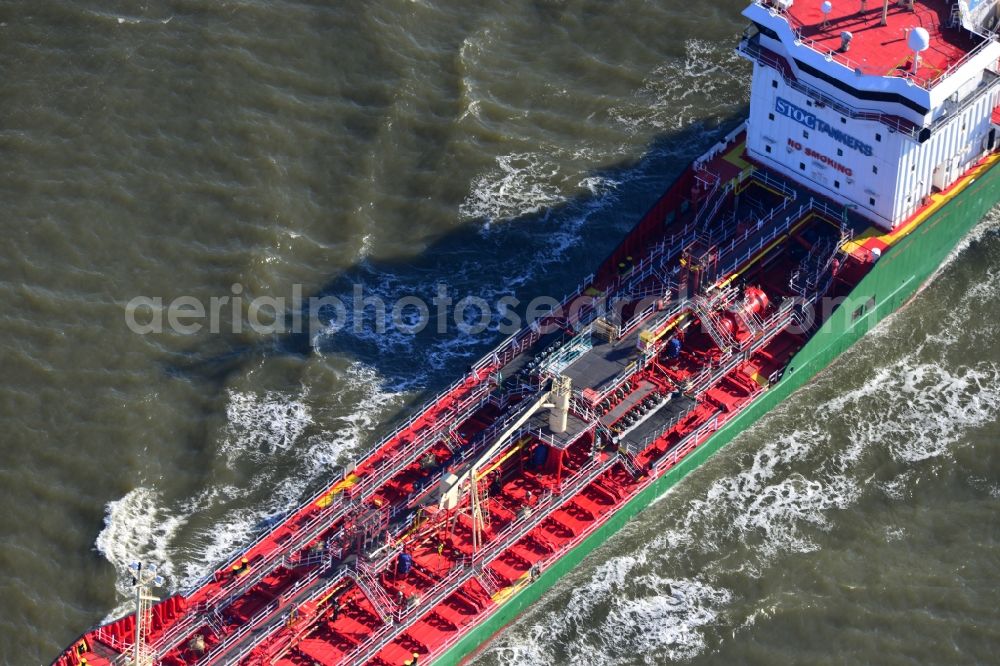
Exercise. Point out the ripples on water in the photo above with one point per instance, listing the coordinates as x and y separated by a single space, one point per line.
502 147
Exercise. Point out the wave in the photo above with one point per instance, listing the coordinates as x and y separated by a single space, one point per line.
708 81
260 425
137 528
664 619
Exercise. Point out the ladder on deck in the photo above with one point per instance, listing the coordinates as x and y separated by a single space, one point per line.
453 441
629 463
710 321
216 622
489 580
375 593
811 278
751 321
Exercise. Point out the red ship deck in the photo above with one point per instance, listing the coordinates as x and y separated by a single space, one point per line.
882 50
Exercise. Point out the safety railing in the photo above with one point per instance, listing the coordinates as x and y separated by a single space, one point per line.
220 656
326 490
720 146
339 504
712 203
112 641
466 570
582 409
495 428
754 51
405 456
635 448
338 507
369 584
711 324
685 445
753 240
639 318
230 639
925 82
489 580
563 357
769 181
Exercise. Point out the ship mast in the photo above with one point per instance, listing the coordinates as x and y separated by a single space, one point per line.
144 579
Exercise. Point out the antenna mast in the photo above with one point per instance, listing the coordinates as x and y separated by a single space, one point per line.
144 579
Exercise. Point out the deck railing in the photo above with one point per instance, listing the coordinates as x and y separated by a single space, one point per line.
754 51
220 651
468 569
685 445
339 505
925 82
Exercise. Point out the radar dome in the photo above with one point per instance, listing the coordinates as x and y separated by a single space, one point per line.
826 7
918 40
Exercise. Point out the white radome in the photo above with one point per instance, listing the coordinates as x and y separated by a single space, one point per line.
918 40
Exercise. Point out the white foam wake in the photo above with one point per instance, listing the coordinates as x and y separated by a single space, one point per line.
137 528
260 425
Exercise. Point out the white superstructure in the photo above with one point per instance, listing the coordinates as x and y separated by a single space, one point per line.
864 125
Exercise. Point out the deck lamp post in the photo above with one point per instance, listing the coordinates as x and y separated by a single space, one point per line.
144 579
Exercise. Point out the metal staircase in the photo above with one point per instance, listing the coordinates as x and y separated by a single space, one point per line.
811 278
374 591
216 623
629 463
453 441
710 323
489 580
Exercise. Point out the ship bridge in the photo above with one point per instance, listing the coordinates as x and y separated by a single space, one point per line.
874 104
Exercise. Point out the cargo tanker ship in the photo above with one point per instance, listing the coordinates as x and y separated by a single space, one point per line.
868 153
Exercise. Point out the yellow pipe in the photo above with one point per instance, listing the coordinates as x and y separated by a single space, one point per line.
768 188
340 486
760 255
514 449
666 329
327 597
